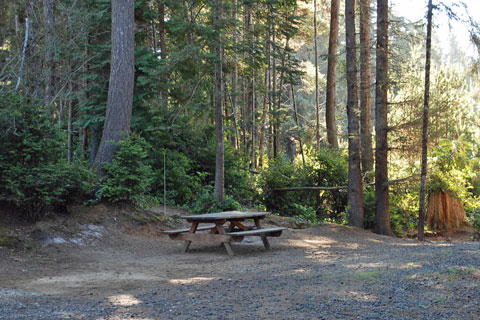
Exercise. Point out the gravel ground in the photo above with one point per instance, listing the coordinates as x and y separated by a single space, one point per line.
325 272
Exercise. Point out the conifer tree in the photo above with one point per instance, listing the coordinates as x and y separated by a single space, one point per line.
355 189
120 90
382 214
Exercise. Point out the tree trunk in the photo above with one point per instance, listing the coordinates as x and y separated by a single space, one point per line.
423 174
270 65
365 96
188 19
69 123
267 96
83 137
251 81
382 215
48 13
94 144
17 25
161 29
120 89
276 143
24 54
235 76
295 116
355 189
263 125
331 75
317 107
219 190
278 102
163 49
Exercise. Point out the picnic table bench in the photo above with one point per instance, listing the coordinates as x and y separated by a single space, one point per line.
220 231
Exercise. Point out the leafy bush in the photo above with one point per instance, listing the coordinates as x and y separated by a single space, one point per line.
330 167
35 175
472 209
128 177
204 202
475 222
369 207
189 147
451 168
182 183
282 173
325 168
305 215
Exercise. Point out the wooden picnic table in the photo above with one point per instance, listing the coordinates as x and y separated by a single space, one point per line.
224 227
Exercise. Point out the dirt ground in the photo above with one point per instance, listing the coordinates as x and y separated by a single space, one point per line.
113 263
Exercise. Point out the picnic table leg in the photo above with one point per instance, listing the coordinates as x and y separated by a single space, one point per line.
227 245
193 229
264 237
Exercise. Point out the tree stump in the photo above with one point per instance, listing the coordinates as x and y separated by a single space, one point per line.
445 212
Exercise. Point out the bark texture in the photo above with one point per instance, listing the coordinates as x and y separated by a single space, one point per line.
445 212
219 190
331 75
423 174
382 215
355 190
120 89
365 96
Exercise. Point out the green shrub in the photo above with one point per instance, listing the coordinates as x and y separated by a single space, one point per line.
182 182
330 168
239 182
282 173
35 174
475 222
306 216
189 147
472 209
204 202
128 177
370 206
325 168
451 168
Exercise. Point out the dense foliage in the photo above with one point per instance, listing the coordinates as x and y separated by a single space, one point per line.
35 173
268 92
128 177
325 168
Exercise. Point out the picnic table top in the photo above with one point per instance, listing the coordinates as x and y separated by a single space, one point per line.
225 215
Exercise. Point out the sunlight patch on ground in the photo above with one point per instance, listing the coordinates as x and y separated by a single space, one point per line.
409 265
190 280
124 300
318 242
311 243
362 296
301 270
